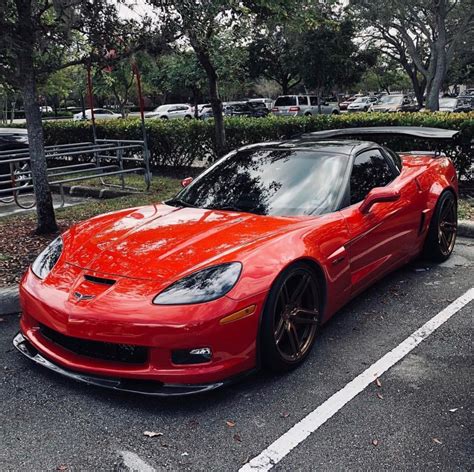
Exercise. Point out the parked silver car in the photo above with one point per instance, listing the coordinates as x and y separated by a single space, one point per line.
362 104
302 105
171 112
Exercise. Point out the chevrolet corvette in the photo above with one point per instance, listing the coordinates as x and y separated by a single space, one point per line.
240 269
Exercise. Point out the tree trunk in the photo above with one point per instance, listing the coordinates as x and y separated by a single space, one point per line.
44 204
216 103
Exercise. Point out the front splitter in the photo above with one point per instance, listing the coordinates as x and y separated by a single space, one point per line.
142 387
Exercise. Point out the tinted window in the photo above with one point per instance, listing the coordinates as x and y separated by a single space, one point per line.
313 100
270 182
302 100
285 101
370 170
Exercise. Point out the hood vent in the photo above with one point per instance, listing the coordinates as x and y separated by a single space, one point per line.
99 280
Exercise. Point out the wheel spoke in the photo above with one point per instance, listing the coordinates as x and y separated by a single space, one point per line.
280 331
449 206
284 297
294 340
300 288
304 316
444 242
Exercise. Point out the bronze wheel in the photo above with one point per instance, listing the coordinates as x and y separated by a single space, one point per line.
291 317
447 227
441 236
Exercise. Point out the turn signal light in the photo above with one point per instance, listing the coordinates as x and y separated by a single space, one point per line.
238 315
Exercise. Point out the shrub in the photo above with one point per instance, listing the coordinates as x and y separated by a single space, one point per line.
183 142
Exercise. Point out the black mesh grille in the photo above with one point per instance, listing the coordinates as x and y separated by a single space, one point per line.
97 349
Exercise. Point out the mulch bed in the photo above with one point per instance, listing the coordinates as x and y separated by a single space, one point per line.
19 246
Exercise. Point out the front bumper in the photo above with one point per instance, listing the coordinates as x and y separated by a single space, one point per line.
150 388
114 317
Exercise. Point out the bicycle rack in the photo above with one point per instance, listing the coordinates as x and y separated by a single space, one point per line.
106 158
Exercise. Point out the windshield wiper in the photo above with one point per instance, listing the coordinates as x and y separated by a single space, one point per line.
230 208
179 202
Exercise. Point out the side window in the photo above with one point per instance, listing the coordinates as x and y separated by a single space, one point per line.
314 100
370 170
302 100
395 158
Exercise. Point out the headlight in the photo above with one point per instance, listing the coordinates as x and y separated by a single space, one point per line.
48 258
203 286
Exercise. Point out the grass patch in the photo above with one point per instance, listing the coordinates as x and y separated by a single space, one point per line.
466 209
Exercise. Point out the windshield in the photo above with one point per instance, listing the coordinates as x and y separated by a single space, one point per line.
270 182
390 99
162 108
285 101
360 100
447 102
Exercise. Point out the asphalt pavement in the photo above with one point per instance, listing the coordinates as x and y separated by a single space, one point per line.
416 416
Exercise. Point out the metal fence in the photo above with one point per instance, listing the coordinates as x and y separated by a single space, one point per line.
106 158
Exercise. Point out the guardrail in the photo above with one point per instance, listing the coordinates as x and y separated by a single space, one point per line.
106 157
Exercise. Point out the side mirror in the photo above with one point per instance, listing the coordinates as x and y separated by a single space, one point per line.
185 182
378 195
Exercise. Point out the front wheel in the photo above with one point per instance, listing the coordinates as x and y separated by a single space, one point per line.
441 236
291 318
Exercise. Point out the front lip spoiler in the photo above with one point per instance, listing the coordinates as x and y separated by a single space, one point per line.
142 387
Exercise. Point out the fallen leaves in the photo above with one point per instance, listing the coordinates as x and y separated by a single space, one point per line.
152 434
285 414
375 442
378 382
237 438
379 396
452 410
230 423
62 467
437 441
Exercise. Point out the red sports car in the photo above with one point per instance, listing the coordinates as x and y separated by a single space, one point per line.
241 268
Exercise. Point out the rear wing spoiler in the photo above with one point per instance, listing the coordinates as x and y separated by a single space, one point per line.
413 131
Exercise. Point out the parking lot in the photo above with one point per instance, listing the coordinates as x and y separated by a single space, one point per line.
416 416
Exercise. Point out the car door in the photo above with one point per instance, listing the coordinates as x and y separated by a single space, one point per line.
381 238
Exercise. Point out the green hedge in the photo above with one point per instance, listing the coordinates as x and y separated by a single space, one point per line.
183 142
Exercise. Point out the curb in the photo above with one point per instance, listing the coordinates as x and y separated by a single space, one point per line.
91 192
466 228
9 300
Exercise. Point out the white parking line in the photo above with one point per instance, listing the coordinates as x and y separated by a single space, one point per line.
310 423
133 462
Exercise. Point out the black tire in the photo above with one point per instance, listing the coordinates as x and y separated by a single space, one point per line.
291 315
335 112
441 235
308 114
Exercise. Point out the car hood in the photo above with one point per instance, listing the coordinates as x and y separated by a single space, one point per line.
163 242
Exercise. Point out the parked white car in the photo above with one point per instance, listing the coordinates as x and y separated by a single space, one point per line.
171 112
362 104
99 114
46 109
302 105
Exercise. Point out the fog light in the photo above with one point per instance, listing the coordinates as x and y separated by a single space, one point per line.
191 356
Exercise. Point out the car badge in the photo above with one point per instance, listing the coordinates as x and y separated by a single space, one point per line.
81 297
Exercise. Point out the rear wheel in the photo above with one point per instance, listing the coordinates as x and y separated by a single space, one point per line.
441 236
291 318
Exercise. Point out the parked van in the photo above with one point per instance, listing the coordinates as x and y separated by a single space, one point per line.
302 105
